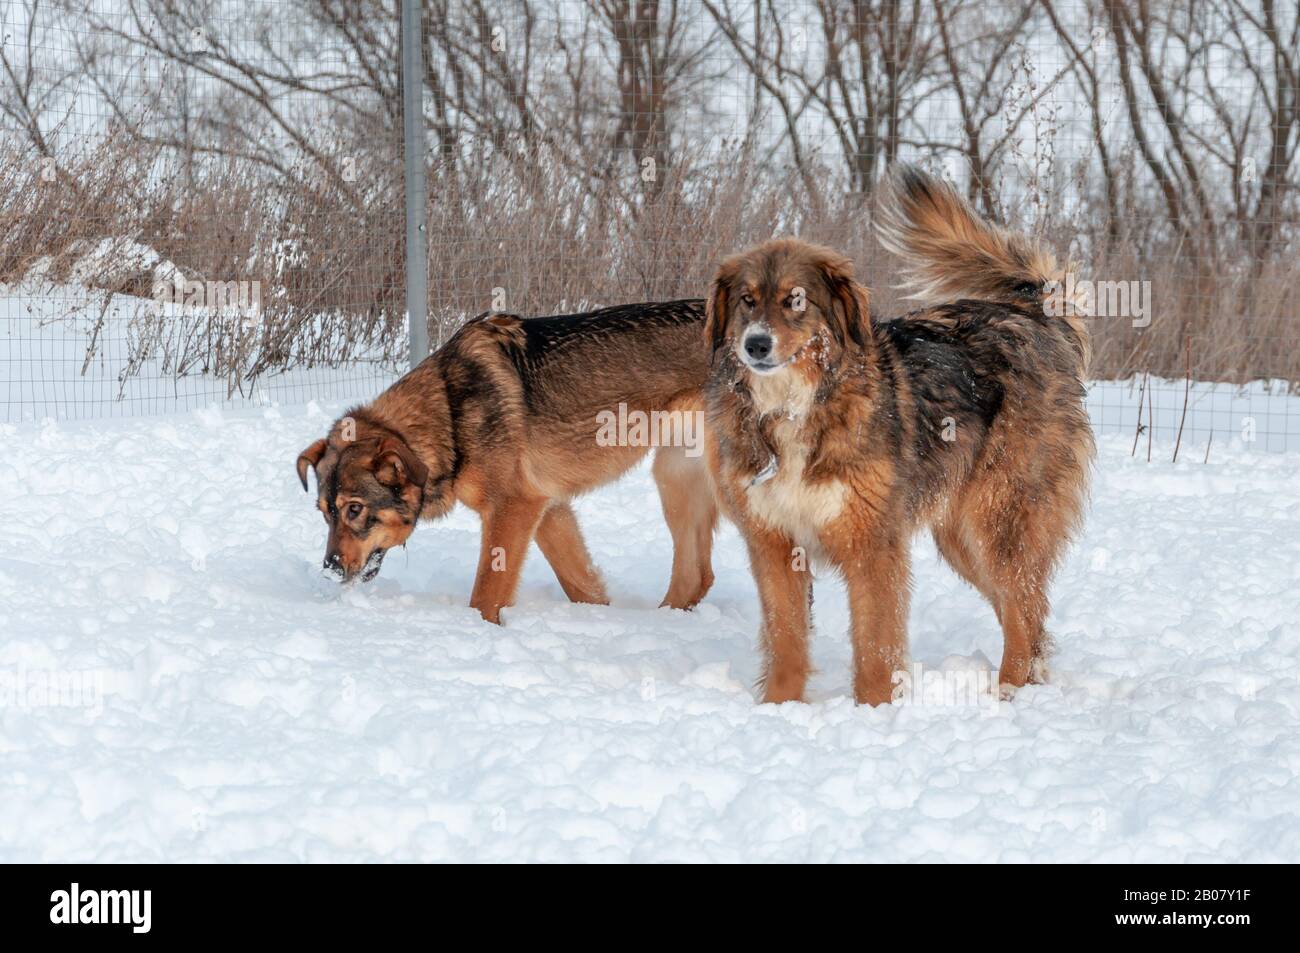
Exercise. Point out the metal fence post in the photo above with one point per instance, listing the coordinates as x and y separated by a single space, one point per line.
417 237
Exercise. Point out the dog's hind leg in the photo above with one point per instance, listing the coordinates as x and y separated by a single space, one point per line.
508 528
692 515
1026 646
1013 532
958 553
988 540
560 540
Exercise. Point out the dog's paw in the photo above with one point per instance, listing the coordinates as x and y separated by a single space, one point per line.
778 689
1039 672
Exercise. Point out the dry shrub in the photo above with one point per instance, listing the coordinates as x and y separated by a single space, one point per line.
557 235
329 263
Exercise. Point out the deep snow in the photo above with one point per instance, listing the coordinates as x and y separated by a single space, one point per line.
179 682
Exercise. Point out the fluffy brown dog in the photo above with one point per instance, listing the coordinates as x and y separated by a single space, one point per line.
506 418
832 437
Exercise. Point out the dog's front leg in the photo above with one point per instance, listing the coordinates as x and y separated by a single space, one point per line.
877 577
784 584
508 528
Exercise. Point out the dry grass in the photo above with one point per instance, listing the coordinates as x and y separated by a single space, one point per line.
557 237
331 277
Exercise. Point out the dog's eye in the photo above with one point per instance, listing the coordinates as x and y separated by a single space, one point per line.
747 300
354 510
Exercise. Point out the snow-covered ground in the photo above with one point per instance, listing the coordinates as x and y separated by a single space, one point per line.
178 681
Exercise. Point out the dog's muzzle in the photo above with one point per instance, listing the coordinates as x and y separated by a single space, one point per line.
333 567
758 346
371 569
756 349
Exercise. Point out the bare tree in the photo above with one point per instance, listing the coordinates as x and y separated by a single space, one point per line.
861 69
36 96
1275 69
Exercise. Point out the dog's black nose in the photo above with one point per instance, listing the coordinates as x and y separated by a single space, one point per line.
333 564
758 346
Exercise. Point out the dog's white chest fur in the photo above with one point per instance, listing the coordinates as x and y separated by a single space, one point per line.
783 499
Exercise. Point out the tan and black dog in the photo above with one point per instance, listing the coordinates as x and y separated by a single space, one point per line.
505 418
832 437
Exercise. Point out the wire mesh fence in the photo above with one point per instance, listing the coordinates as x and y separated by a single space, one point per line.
200 204
203 201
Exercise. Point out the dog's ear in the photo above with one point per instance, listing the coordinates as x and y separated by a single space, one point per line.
309 458
717 307
852 301
396 464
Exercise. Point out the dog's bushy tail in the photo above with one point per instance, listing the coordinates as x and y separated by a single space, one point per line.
949 252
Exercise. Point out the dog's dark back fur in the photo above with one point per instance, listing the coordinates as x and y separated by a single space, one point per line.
647 354
956 364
